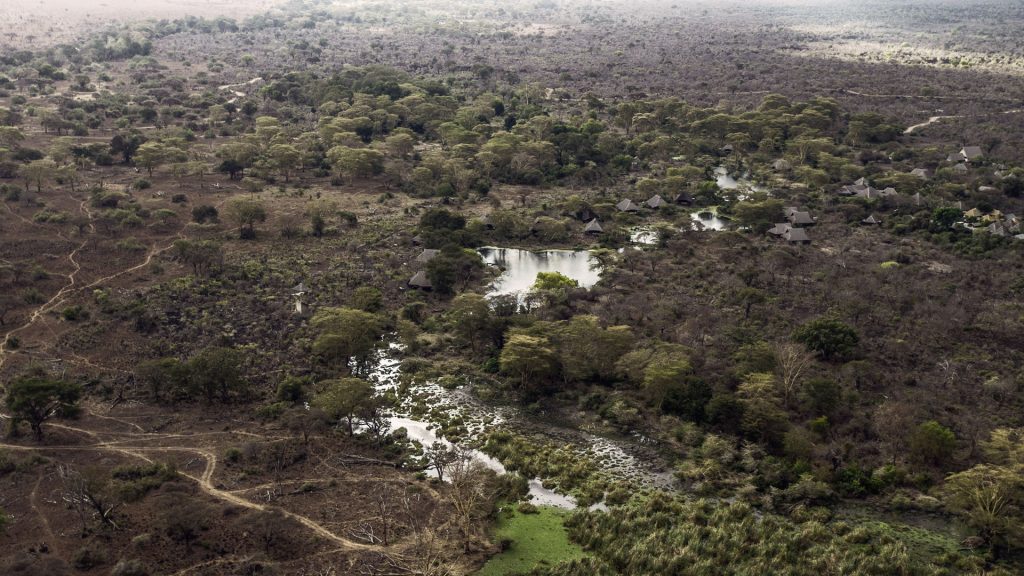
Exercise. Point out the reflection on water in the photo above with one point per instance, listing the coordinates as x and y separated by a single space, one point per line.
520 267
709 221
726 181
421 432
385 374
643 235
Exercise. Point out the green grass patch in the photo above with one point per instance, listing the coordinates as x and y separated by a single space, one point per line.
534 539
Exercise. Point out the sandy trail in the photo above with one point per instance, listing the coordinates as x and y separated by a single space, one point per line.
204 480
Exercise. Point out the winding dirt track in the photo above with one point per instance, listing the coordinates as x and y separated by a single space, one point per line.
204 480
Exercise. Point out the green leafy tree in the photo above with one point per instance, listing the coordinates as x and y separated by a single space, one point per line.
201 255
453 269
367 299
554 281
246 214
353 163
829 337
162 376
944 218
344 398
471 319
531 360
216 371
126 146
36 400
932 443
763 419
346 334
38 172
588 351
759 216
284 158
990 498
153 154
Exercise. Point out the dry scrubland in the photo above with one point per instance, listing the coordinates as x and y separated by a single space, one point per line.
834 407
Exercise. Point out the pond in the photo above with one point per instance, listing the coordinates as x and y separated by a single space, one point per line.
617 457
727 181
520 267
643 235
709 221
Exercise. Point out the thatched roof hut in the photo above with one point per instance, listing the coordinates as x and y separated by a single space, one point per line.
420 281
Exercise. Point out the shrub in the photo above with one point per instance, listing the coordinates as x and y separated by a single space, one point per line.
205 213
932 443
87 558
74 313
829 337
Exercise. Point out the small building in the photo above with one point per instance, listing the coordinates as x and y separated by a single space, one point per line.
728 149
788 211
974 213
801 219
780 229
627 205
419 281
684 199
593 227
417 240
971 153
655 202
486 221
871 221
921 173
427 255
954 158
960 168
782 165
796 236
861 182
996 229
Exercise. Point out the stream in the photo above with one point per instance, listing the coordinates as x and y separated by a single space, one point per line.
630 458
619 457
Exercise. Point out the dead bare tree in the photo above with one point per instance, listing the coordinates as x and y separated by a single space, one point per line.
88 495
470 494
792 361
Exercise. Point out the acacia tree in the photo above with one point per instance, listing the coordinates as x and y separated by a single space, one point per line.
344 399
471 318
531 360
36 400
346 334
246 214
990 496
284 158
38 172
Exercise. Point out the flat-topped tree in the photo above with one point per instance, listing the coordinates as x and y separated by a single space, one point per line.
36 400
247 213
